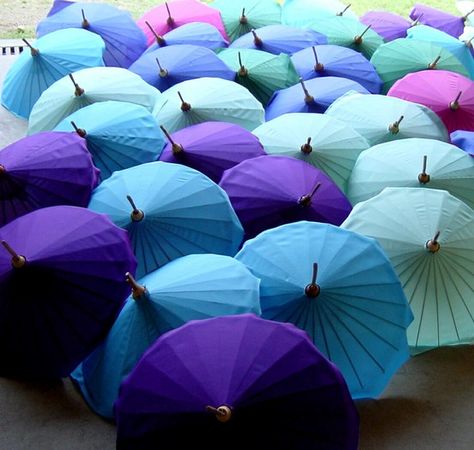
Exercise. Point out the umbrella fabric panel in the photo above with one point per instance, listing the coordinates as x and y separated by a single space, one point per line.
301 13
436 18
387 24
464 140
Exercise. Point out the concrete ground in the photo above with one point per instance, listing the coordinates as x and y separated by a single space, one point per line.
428 405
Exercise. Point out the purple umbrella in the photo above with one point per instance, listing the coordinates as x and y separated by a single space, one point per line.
236 382
464 140
62 284
45 169
211 147
269 191
389 25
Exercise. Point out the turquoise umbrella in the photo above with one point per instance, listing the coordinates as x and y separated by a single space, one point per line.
413 163
428 234
193 287
381 119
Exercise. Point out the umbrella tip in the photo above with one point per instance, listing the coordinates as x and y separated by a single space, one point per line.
85 23
34 51
433 245
185 106
136 215
341 13
169 21
454 105
243 18
138 291
307 148
312 290
256 40
18 261
423 177
3 170
394 128
80 131
223 413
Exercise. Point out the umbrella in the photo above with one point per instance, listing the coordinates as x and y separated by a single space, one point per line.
336 61
323 141
45 169
58 5
52 57
211 147
167 66
262 73
168 16
312 96
464 140
243 16
278 39
428 235
208 99
400 57
413 163
467 37
381 119
169 211
450 95
61 288
87 86
387 24
124 41
341 289
231 379
269 191
189 288
118 134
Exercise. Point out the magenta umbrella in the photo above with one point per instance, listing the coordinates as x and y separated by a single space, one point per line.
449 94
389 25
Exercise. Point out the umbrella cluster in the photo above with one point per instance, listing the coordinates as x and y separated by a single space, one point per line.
232 218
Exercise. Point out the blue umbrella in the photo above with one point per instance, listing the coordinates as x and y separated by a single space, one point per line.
58 5
341 289
167 66
169 210
193 287
313 96
464 140
118 134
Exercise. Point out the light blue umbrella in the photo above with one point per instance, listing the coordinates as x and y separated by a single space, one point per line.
340 287
50 58
193 287
169 210
118 134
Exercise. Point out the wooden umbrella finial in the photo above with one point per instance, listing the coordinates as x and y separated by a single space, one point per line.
454 105
223 413
138 291
159 39
359 38
80 131
243 72
169 21
163 72
432 66
176 148
308 98
312 290
185 106
318 67
78 90
85 23
307 148
433 245
136 215
340 13
256 40
305 200
17 261
243 18
34 51
394 128
423 177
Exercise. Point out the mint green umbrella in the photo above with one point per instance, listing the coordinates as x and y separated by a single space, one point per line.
323 141
413 163
262 73
428 234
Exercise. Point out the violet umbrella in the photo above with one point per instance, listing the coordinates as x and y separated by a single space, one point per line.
45 169
269 191
228 380
464 140
61 288
387 24
211 147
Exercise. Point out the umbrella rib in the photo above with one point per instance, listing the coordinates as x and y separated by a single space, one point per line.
444 285
424 299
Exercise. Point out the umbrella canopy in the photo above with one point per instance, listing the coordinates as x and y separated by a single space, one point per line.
387 24
269 191
52 57
243 16
124 41
189 288
58 5
167 66
278 39
208 99
340 288
312 96
262 379
323 141
300 13
118 134
168 16
381 119
169 211
413 163
262 73
464 140
401 57
211 147
45 169
336 61
450 95
428 235
61 288
87 86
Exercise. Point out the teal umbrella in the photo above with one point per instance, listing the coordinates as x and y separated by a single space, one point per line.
381 119
323 141
262 73
428 234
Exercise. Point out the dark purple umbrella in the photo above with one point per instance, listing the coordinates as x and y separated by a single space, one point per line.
269 191
389 25
62 284
45 169
211 147
235 382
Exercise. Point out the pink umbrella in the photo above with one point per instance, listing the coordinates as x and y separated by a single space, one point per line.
449 94
168 16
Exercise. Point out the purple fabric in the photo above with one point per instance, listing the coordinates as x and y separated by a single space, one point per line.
436 18
45 169
389 25
282 392
265 191
212 147
464 140
57 308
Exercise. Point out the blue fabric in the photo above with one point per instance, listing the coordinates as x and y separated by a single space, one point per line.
464 140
